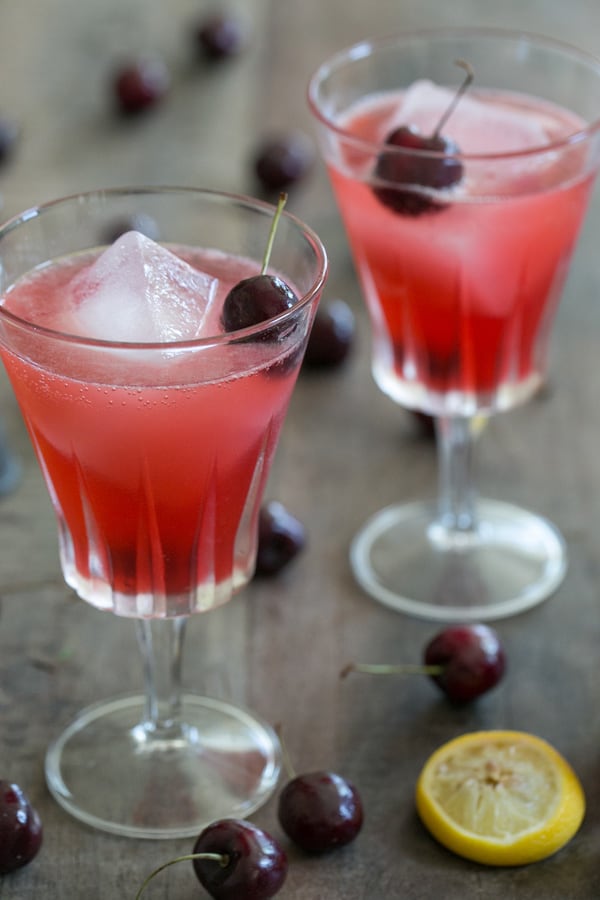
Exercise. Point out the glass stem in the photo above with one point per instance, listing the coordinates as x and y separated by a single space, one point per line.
161 645
456 437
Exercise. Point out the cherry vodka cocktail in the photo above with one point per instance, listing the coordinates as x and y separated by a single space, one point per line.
140 453
155 420
462 206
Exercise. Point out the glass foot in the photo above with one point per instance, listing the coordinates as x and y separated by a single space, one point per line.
405 559
107 771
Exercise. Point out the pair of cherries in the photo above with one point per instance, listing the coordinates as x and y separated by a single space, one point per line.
235 860
318 811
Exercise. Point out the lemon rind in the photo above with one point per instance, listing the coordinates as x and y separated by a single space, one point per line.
530 845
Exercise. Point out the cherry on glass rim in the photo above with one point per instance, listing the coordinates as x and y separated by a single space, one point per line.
260 297
419 161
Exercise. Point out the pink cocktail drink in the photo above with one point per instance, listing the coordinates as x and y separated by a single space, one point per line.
156 465
463 198
462 295
154 388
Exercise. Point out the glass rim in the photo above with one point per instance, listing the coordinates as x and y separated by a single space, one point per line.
369 46
242 334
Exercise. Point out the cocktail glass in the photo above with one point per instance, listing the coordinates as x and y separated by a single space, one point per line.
156 456
461 270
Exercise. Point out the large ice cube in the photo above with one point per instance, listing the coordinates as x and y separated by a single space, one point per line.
477 125
139 292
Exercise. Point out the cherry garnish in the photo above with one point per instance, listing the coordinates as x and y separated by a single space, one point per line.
283 161
332 335
320 811
140 85
259 297
281 537
20 828
420 161
254 300
253 865
464 661
220 36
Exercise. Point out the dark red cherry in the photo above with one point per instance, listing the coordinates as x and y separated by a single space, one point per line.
141 85
281 537
253 866
20 828
332 335
283 161
417 161
464 661
425 423
256 299
220 36
320 811
472 659
9 134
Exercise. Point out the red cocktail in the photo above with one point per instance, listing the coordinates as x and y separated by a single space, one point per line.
154 413
462 205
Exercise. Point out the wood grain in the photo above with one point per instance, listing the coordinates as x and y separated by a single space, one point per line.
345 451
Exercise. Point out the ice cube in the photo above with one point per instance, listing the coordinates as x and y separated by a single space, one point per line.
477 125
139 292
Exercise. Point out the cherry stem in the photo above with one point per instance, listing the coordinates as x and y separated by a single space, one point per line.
280 205
285 756
221 858
385 669
461 90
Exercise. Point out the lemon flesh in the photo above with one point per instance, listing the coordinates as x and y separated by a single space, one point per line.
500 798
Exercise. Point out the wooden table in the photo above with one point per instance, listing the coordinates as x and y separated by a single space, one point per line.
345 452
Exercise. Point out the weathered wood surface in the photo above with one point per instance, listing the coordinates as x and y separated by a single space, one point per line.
345 452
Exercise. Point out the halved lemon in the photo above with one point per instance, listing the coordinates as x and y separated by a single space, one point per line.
501 798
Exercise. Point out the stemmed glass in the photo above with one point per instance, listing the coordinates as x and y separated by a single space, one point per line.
156 456
461 237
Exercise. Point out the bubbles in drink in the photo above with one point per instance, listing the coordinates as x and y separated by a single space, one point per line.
139 292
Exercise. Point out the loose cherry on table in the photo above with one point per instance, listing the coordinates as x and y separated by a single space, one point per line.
320 811
332 335
140 85
220 36
284 160
281 537
464 661
234 860
253 865
419 160
9 134
20 828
